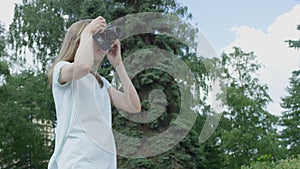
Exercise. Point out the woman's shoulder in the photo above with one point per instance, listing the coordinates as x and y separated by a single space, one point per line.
56 73
62 62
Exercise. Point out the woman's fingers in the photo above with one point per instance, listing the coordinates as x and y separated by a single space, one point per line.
100 18
98 24
116 42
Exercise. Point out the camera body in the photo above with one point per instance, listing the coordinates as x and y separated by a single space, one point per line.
110 34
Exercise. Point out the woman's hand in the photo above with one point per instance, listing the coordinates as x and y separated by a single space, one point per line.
96 25
114 56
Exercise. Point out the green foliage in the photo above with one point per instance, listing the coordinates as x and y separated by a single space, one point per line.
26 117
39 27
2 41
4 67
291 103
186 154
290 119
281 164
250 133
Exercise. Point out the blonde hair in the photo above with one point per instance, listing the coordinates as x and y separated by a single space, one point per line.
69 46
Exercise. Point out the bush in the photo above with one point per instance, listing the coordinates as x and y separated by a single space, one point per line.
282 164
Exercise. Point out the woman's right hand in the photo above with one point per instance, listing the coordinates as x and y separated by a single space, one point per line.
96 25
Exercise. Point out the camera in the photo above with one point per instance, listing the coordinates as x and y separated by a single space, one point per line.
110 34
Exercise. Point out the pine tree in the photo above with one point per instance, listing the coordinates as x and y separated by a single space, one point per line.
290 119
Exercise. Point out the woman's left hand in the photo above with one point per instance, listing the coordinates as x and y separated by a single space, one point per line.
114 56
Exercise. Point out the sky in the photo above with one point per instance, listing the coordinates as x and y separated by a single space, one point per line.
7 11
215 18
260 26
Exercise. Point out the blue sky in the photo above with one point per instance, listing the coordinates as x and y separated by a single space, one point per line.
215 18
257 26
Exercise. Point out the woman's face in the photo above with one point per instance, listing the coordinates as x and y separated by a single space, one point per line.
98 53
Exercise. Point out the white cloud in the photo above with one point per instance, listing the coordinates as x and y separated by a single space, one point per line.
271 50
7 11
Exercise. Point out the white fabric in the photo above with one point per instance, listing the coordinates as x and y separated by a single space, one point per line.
84 137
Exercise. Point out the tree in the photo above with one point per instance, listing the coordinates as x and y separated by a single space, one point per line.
25 122
2 40
3 54
287 163
291 103
250 132
24 115
290 119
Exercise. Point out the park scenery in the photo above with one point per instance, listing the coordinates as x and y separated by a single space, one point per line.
204 105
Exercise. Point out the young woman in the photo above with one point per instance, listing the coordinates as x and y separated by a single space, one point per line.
83 99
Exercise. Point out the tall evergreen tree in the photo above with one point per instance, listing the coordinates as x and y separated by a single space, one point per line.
290 119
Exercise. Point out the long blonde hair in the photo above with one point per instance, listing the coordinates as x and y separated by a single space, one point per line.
69 46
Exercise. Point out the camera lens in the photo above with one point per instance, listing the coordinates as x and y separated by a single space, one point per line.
118 31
